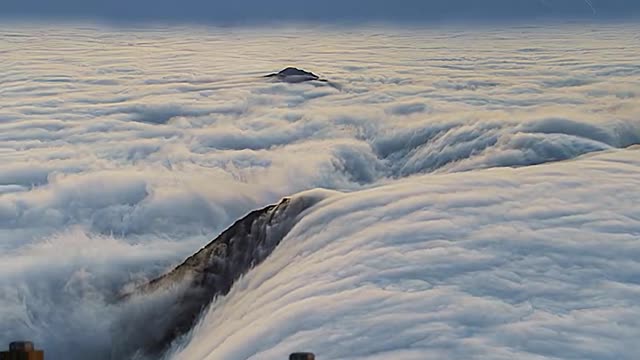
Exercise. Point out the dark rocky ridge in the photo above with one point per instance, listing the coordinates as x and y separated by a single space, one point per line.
166 308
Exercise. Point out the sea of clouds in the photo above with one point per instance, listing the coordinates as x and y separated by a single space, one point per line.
122 151
529 263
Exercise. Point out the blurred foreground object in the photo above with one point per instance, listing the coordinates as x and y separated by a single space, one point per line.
302 356
22 350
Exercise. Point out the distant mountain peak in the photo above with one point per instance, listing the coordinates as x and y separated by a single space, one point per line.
295 75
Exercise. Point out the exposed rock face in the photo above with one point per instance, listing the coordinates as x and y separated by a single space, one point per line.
148 327
295 75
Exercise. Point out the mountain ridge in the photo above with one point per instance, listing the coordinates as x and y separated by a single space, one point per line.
185 291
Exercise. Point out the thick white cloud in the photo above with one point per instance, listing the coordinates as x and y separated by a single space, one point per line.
122 151
529 263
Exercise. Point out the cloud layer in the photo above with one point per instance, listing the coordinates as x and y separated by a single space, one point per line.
125 150
530 263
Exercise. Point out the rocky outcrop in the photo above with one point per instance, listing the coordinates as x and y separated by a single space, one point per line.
295 75
166 308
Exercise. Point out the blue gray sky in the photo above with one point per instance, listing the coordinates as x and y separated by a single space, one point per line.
323 11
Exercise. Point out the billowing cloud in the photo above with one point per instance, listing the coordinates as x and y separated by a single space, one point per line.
529 263
123 151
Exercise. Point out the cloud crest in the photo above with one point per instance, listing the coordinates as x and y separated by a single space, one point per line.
526 263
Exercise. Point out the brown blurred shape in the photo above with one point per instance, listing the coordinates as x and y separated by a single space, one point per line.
22 350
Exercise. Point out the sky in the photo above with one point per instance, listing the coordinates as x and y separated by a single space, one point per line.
321 11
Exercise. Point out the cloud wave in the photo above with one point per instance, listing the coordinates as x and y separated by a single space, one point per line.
529 263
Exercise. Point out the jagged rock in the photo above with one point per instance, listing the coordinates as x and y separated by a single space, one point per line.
295 75
178 297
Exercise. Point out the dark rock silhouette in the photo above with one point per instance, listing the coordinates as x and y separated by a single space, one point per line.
148 327
295 75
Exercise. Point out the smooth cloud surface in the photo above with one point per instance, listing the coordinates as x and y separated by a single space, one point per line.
123 151
529 263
